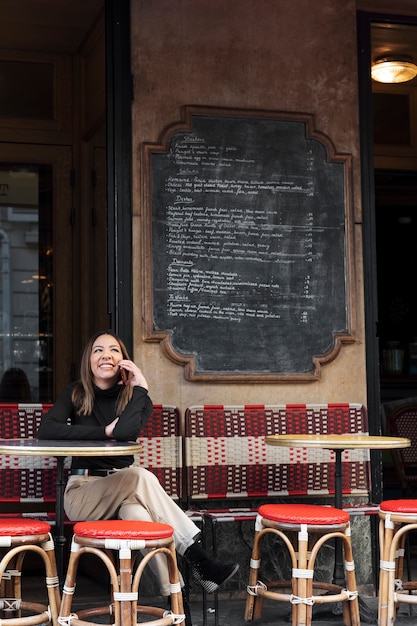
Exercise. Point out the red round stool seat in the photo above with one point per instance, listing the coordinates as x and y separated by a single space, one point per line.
18 537
399 506
123 529
396 519
304 514
302 530
117 544
19 527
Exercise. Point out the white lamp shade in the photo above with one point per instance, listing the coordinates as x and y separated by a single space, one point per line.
393 70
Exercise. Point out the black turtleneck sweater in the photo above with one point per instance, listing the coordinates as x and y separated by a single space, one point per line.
64 422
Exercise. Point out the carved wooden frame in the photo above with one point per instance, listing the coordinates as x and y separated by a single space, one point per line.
165 337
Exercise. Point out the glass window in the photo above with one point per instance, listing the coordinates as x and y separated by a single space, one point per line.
26 282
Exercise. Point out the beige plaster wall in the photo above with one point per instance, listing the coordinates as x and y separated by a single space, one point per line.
280 55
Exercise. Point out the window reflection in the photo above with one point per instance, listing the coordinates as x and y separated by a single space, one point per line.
26 275
15 386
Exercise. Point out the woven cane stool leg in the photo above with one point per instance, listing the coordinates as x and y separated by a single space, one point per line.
18 537
175 587
303 529
347 595
116 543
397 519
386 533
352 608
253 609
254 600
311 538
304 587
400 555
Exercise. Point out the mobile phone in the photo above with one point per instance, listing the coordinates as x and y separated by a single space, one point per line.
123 375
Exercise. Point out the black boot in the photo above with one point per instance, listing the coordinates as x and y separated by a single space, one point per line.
207 571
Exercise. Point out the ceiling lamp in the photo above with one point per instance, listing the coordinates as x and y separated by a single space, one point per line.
393 69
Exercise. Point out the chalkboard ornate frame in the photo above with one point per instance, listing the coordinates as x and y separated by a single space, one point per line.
248 263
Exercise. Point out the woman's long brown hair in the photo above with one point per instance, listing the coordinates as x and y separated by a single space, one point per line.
83 392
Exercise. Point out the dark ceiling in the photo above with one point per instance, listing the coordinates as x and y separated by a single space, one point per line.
60 26
57 26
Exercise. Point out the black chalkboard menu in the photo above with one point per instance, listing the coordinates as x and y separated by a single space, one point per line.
247 246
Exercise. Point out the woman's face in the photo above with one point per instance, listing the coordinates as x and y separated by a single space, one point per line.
104 359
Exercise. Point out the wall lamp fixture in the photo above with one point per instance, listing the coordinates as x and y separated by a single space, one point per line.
393 69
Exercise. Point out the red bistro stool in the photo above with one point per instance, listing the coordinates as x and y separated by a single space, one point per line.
304 529
18 537
396 519
116 543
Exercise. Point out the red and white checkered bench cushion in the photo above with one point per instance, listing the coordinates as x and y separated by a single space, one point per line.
226 454
21 420
25 479
161 451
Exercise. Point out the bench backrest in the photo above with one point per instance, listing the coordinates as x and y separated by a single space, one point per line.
225 452
25 479
226 455
161 452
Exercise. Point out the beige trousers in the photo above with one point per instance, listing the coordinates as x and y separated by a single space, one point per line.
132 493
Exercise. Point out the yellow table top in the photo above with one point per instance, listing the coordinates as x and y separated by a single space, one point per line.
341 442
47 447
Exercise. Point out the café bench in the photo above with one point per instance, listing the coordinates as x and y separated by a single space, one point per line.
229 467
230 470
227 459
29 482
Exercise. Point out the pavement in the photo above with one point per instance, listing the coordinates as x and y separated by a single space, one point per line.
231 612
231 607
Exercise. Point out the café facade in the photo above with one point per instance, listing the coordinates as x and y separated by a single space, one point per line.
199 176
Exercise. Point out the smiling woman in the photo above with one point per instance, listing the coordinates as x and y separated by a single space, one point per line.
94 404
102 406
110 364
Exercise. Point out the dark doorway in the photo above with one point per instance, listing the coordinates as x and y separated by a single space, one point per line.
389 168
396 234
65 105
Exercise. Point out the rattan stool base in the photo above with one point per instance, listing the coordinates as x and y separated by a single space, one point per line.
397 519
18 538
303 529
116 543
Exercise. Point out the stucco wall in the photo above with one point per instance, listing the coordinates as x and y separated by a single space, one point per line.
297 56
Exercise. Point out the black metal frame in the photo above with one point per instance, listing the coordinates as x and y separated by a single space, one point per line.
119 169
369 244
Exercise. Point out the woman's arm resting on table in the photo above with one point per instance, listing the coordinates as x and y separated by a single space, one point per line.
134 416
55 423
63 422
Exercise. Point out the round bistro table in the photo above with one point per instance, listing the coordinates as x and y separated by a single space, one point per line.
61 449
339 443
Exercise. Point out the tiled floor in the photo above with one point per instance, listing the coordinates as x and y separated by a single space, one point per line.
231 613
231 609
